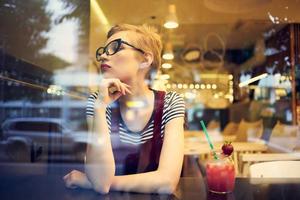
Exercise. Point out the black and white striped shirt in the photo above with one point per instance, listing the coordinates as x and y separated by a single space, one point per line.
173 107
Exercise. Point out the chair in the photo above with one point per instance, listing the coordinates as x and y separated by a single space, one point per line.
275 169
249 130
284 130
297 145
284 138
230 129
213 125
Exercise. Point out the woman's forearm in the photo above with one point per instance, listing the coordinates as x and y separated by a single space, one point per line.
149 182
100 166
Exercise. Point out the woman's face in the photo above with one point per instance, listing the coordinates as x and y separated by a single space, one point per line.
125 63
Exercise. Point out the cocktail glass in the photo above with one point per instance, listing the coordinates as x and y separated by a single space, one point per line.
220 174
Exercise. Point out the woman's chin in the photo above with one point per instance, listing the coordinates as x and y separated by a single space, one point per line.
108 75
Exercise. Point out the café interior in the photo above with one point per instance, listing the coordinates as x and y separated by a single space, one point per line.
236 64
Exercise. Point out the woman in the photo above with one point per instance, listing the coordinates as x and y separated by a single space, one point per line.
135 133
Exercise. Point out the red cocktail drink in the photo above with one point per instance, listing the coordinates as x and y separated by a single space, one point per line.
220 175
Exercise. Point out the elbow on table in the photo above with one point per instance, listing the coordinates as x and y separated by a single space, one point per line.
102 189
168 187
169 190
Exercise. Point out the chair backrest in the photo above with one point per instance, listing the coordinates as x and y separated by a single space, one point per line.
284 130
249 130
230 129
275 169
213 124
285 137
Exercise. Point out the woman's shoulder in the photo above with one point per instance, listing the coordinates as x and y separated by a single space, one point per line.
174 106
173 97
170 94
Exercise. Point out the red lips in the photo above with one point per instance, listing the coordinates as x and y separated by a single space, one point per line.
104 67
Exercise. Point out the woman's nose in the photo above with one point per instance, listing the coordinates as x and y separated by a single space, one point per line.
103 57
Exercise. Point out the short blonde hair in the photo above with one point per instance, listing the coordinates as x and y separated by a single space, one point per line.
148 40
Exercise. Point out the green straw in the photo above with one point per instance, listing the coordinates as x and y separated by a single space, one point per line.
208 139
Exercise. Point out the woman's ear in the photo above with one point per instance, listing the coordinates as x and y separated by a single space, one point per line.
148 59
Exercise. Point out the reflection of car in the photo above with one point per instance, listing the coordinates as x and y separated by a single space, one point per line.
51 137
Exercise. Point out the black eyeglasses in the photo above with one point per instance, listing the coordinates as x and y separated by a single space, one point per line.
113 47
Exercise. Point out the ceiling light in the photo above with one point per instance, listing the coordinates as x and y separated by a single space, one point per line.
190 95
168 52
164 76
168 56
171 19
251 80
166 65
171 25
192 55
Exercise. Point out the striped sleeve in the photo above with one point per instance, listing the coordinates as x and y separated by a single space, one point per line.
176 108
90 104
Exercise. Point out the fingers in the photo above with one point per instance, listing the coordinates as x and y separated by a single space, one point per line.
70 179
116 85
66 176
128 91
127 88
123 87
111 89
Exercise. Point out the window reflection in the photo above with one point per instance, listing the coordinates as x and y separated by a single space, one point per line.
41 39
238 72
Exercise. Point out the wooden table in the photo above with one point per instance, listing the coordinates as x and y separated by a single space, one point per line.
215 136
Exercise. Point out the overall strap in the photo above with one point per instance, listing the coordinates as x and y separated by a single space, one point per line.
159 107
156 140
115 118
